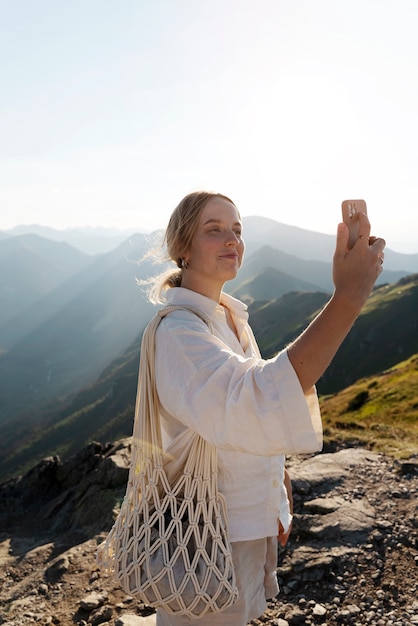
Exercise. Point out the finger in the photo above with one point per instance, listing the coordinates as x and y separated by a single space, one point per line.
364 228
373 240
343 235
378 244
284 538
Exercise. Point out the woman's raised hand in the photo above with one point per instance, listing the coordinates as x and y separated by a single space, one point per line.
354 273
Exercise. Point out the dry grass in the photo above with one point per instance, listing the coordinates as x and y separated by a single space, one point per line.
380 412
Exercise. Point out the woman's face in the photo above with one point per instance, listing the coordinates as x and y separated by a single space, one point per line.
217 248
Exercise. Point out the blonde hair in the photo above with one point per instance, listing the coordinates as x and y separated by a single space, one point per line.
178 239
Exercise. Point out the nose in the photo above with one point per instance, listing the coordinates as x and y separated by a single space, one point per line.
232 239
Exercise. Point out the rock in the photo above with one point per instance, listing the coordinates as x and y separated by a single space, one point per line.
345 522
331 467
408 468
297 617
113 472
135 620
57 569
319 610
101 615
353 547
93 601
323 506
351 610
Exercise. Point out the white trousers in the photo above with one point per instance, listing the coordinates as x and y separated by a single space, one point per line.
255 564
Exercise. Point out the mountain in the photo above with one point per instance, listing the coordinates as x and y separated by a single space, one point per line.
57 345
310 245
278 322
385 333
315 274
104 409
31 267
64 339
89 240
258 232
36 287
75 331
297 274
269 283
305 244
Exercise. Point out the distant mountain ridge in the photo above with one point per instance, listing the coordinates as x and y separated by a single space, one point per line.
64 340
31 267
70 315
314 275
310 245
269 283
89 240
59 341
104 409
258 232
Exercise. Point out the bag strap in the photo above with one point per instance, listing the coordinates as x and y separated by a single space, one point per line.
147 426
186 307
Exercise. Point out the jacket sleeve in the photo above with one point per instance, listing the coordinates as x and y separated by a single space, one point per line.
244 404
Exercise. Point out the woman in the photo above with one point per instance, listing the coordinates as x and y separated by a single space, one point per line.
216 383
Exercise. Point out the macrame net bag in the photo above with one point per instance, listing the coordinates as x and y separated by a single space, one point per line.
169 546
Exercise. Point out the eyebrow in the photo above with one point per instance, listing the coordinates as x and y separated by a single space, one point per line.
215 221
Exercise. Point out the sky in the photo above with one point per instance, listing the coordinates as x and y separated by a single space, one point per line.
112 110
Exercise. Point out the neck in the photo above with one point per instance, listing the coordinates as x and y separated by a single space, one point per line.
208 289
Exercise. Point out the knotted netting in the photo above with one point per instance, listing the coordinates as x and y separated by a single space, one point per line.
169 545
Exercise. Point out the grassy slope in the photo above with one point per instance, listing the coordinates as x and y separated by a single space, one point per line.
380 412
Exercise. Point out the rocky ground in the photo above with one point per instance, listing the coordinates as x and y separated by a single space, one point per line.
352 558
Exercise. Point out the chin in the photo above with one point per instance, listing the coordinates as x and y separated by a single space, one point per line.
231 275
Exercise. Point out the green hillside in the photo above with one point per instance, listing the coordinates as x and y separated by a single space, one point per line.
380 412
277 322
385 333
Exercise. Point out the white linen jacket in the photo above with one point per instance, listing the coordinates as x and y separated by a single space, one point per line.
252 409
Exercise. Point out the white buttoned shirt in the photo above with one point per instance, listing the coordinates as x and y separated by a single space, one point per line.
252 409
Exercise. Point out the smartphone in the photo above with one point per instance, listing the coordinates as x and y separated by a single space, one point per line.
350 210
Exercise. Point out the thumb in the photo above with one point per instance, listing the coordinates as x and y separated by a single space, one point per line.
341 245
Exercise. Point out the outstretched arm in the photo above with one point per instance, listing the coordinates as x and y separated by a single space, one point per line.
354 273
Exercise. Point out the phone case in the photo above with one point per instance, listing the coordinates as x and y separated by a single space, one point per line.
350 210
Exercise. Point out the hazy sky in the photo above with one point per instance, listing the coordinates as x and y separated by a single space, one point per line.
112 110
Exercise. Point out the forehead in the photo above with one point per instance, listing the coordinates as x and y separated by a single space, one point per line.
220 209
